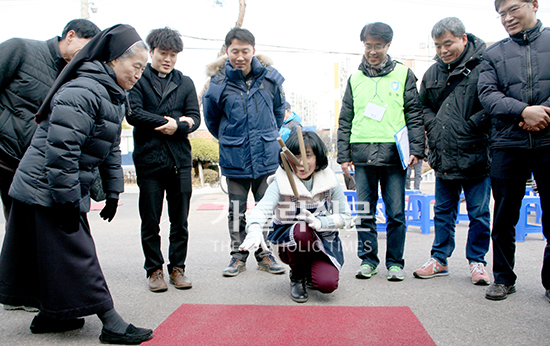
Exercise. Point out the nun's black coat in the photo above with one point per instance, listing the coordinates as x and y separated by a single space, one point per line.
47 262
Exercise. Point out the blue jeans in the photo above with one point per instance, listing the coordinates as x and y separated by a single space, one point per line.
447 200
392 182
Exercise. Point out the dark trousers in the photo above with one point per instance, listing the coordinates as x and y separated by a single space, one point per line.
510 170
6 177
178 188
307 260
238 195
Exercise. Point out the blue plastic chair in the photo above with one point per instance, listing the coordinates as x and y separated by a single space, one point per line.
351 196
418 212
523 227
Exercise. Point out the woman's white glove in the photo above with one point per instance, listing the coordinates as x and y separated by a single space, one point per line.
310 219
254 239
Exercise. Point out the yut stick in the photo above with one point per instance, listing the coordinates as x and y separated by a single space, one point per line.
302 149
289 155
289 176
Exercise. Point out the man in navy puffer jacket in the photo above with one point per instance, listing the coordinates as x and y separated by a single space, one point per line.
244 109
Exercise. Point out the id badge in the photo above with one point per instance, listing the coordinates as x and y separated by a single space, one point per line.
374 111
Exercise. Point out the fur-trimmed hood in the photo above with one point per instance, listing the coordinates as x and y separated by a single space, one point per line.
218 65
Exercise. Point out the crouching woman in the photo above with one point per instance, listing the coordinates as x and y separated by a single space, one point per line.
305 230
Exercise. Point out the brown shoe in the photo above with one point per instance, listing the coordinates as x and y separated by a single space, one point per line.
156 281
178 279
499 291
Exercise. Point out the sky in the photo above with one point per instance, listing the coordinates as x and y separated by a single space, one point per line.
304 38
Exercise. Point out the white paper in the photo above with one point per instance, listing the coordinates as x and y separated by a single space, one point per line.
374 111
402 142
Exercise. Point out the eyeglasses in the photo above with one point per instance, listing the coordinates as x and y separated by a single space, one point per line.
377 48
514 11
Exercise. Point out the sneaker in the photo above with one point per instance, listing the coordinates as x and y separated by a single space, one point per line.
156 281
269 265
479 274
20 307
365 272
179 280
499 291
431 269
395 273
235 267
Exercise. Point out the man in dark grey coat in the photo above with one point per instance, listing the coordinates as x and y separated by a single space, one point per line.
458 136
27 70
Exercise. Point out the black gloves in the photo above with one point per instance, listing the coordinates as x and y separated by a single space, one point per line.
109 210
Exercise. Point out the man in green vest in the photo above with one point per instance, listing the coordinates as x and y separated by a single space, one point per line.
380 100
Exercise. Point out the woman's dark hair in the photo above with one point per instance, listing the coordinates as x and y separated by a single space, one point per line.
310 140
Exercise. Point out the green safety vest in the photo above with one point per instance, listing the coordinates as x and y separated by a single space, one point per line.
387 91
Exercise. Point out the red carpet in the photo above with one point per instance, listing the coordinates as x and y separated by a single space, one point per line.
195 324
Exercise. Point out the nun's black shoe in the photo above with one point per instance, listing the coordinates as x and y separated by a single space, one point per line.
41 324
132 336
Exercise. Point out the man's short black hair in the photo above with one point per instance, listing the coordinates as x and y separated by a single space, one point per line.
239 34
378 30
83 28
165 39
311 139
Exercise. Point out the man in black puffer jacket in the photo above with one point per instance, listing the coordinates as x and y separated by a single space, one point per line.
27 70
458 136
514 88
165 109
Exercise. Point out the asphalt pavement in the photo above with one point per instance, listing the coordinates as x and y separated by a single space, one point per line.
451 309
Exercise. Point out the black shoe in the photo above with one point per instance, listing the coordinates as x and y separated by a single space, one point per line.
499 291
298 291
41 324
547 294
133 336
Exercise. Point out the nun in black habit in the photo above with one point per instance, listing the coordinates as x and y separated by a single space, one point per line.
79 126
